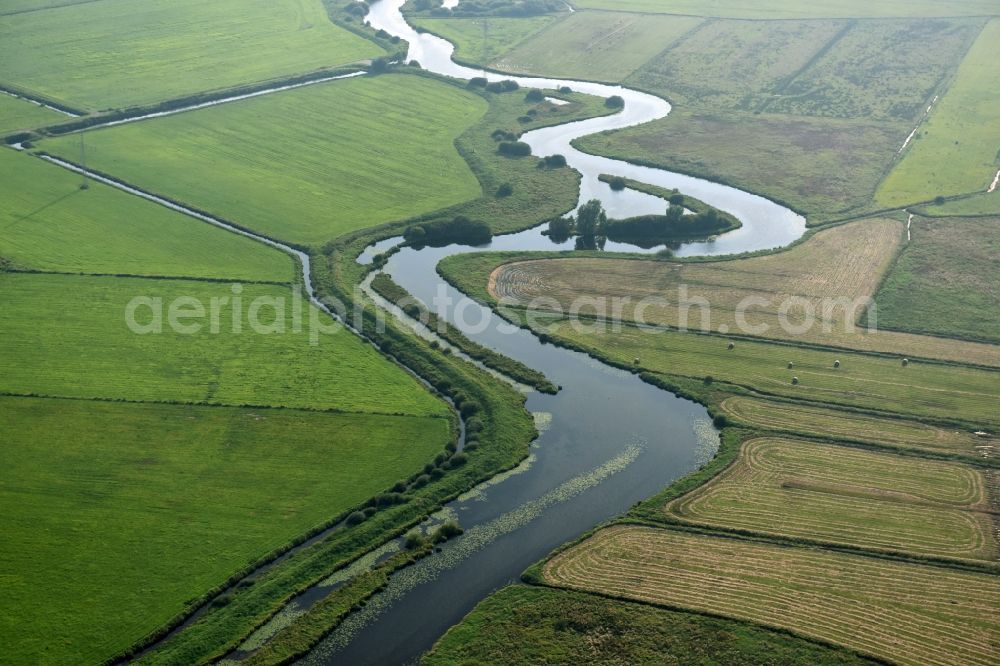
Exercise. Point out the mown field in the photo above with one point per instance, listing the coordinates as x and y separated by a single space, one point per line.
831 277
67 336
116 516
75 54
529 625
921 389
597 45
821 422
18 114
484 41
836 494
48 223
907 613
946 281
305 165
955 151
785 9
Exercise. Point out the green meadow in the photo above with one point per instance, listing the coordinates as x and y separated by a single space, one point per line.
304 165
484 41
945 280
116 516
48 223
68 336
119 53
786 9
955 151
18 114
542 625
597 45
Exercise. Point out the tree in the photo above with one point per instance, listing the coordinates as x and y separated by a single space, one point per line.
379 65
534 95
478 82
677 199
505 190
614 102
617 183
514 149
590 219
555 161
561 228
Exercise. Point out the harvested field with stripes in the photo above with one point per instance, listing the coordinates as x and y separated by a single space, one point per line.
919 389
909 613
828 279
837 494
822 422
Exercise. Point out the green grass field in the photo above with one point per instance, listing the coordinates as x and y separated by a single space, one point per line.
591 45
484 41
946 281
117 53
305 165
881 70
909 614
734 64
67 336
785 9
19 114
48 223
955 150
818 166
985 203
820 422
115 516
530 625
933 390
836 494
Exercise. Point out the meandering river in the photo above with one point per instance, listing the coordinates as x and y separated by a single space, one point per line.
607 439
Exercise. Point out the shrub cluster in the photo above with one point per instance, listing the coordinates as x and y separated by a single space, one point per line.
457 229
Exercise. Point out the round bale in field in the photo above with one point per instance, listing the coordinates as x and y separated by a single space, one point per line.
906 362
795 381
732 345
836 364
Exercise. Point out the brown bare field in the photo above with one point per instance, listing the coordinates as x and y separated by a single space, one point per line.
823 422
834 273
907 613
836 494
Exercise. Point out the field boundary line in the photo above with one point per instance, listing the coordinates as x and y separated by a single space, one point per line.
224 405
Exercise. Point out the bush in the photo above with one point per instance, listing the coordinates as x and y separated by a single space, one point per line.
676 199
514 149
473 425
447 531
379 65
458 460
355 518
555 161
614 102
565 90
617 183
534 95
524 120
509 86
720 421
421 481
414 540
505 190
709 380
457 229
503 135
478 82
356 8
469 408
